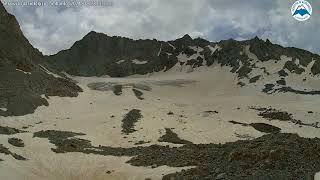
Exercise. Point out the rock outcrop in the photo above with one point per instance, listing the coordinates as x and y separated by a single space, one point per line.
22 78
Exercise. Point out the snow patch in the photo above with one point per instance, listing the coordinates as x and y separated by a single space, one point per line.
121 61
213 49
172 46
160 50
181 68
196 48
43 96
136 61
3 109
23 71
184 58
49 72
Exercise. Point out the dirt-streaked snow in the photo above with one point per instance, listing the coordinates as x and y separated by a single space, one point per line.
205 89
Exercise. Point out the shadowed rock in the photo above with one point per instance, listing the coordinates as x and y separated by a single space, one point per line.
254 79
16 142
138 94
266 128
172 137
262 127
273 114
283 73
142 142
293 68
117 89
9 131
290 89
56 134
129 121
268 88
281 82
6 151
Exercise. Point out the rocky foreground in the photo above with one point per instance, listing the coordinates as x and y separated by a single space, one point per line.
272 156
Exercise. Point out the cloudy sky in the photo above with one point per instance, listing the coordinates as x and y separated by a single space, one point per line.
51 29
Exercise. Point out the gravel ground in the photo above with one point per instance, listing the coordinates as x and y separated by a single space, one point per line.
272 156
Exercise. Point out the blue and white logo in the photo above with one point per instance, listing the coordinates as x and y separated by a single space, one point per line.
301 10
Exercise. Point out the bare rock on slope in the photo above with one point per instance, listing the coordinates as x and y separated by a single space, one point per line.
22 78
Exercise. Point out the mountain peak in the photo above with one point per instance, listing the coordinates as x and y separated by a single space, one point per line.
268 41
256 38
91 33
186 37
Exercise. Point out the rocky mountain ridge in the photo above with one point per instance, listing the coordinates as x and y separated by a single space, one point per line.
98 54
23 80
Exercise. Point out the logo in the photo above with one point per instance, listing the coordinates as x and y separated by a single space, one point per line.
301 10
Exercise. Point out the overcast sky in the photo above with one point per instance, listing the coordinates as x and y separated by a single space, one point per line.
51 29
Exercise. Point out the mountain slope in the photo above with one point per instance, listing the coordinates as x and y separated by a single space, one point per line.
22 79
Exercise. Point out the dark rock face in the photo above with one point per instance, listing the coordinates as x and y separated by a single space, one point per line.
6 151
293 68
172 137
56 134
129 121
283 73
241 84
60 138
22 78
290 89
138 94
254 79
268 88
316 68
267 50
97 54
281 82
117 89
271 88
262 127
16 142
266 128
274 114
9 131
